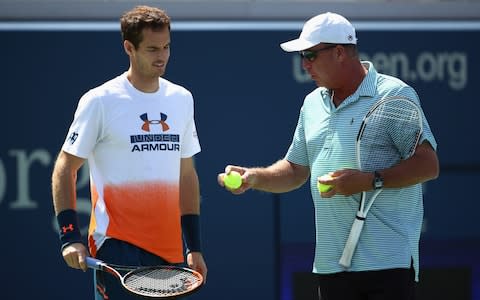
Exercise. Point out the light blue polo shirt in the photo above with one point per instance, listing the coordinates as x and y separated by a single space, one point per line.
324 140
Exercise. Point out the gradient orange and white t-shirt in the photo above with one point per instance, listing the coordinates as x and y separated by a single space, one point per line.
134 142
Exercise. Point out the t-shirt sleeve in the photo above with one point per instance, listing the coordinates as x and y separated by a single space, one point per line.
86 128
297 152
190 144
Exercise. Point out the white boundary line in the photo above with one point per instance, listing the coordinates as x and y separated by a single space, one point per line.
242 26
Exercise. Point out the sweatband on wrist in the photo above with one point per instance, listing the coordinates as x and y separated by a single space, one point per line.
191 233
68 228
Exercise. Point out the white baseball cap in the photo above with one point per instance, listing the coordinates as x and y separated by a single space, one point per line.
328 27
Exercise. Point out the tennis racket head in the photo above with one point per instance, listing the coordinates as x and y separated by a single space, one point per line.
162 281
389 133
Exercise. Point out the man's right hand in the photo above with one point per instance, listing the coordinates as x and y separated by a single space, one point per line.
74 255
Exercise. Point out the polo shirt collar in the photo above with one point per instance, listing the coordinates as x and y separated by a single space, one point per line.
368 86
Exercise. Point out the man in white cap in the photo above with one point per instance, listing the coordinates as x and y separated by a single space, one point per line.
385 265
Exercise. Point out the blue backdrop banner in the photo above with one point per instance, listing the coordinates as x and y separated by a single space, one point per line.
247 93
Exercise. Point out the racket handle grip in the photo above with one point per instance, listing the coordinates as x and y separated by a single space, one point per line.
93 263
352 241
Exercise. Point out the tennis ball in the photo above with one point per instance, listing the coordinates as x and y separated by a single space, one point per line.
323 188
233 180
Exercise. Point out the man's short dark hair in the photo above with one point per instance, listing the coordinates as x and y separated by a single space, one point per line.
133 22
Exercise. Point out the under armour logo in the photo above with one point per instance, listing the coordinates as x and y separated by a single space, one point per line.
147 122
68 228
73 137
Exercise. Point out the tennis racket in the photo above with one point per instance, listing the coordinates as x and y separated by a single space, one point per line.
153 282
389 133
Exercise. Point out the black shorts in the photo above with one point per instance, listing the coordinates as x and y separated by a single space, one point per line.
392 284
124 254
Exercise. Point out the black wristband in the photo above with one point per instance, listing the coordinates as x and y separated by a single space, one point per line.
68 228
191 233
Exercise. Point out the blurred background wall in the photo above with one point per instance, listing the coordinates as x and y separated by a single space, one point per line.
248 93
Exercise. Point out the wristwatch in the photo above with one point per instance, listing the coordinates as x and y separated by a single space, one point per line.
377 181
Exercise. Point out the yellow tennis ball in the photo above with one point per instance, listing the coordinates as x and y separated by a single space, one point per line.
323 188
233 180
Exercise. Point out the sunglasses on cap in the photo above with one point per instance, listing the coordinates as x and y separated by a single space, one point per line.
310 55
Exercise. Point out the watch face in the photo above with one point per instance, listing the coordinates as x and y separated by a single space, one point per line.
378 181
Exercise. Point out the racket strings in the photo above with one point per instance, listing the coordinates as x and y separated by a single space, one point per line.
402 112
396 123
158 282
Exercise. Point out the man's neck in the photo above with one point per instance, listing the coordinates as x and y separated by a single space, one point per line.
142 83
353 78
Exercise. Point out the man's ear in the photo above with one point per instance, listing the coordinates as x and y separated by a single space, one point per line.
128 47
